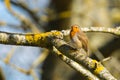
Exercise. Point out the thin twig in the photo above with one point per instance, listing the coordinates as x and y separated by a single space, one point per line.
26 8
40 59
9 55
22 18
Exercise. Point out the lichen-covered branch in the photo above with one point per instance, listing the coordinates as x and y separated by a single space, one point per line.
55 38
115 31
87 74
39 40
80 57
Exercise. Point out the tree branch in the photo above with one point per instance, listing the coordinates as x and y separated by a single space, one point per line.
26 8
25 21
87 74
55 38
80 57
38 40
114 31
2 76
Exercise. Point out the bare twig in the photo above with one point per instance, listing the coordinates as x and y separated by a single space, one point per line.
26 8
9 55
105 59
22 18
4 23
40 59
27 72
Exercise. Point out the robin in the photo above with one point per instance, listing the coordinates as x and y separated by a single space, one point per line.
78 38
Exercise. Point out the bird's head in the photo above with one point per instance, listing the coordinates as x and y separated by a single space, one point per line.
74 30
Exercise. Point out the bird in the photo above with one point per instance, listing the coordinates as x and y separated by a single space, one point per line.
78 38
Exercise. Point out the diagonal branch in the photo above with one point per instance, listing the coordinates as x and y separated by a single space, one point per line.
25 21
87 74
80 57
25 7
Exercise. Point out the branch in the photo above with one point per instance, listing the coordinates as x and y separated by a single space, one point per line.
26 22
2 76
80 57
39 40
54 38
4 23
26 8
114 31
87 74
31 71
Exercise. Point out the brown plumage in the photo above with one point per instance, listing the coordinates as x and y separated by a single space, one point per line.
78 38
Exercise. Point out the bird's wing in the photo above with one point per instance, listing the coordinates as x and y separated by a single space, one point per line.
84 40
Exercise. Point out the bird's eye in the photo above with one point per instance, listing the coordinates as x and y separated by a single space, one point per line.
76 27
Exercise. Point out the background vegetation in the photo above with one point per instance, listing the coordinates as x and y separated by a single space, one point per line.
37 16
